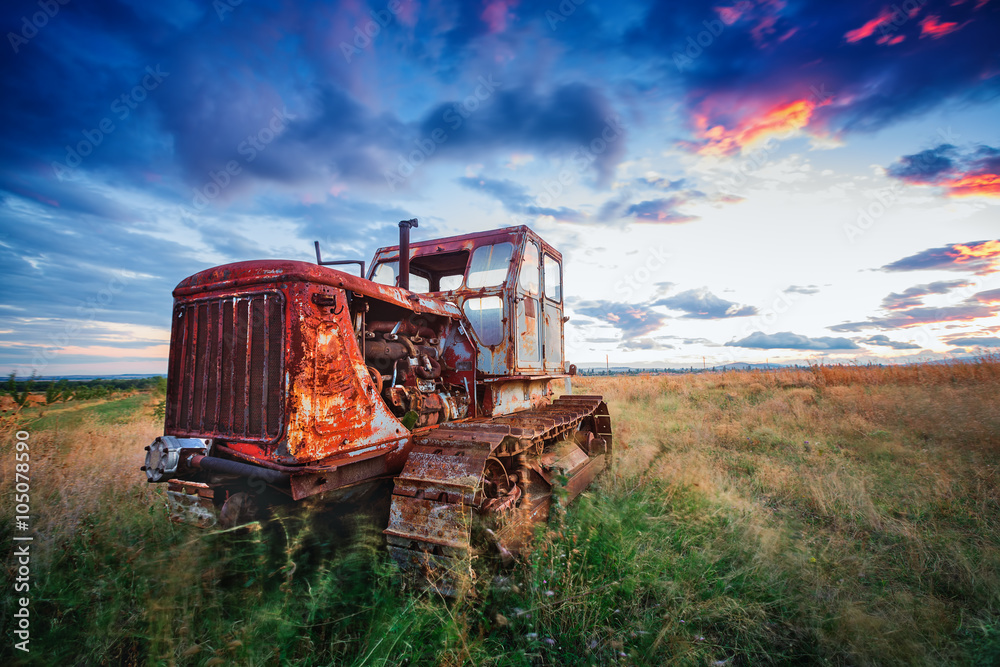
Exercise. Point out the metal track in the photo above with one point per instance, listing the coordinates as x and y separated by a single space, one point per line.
439 493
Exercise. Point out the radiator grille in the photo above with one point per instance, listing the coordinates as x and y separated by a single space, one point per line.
227 368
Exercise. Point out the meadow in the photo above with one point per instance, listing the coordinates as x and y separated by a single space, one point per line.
833 516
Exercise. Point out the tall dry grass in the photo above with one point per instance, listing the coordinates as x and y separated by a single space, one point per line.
871 492
834 516
79 475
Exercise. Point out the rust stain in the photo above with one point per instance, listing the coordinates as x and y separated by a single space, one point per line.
325 378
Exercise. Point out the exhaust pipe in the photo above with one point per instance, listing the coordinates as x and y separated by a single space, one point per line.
404 252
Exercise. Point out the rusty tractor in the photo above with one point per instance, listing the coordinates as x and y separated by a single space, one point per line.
289 379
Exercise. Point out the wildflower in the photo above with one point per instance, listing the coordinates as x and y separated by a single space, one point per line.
549 594
550 641
531 635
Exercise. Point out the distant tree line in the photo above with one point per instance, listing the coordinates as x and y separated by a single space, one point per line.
79 390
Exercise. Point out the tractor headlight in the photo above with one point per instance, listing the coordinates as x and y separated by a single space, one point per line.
164 455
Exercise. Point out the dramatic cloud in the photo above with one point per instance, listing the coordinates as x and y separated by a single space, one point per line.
975 307
990 296
751 131
913 296
515 198
885 341
573 120
703 305
659 210
978 257
927 166
975 341
633 320
792 341
157 139
663 210
761 69
960 174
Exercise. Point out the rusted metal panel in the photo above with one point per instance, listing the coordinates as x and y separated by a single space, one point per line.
442 523
449 480
517 395
338 477
227 360
464 242
192 503
243 274
334 406
520 349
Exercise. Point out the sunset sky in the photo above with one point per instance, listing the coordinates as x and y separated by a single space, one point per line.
736 181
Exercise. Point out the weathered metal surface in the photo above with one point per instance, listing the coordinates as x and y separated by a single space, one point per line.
338 477
523 325
227 366
440 492
311 372
240 275
517 395
191 502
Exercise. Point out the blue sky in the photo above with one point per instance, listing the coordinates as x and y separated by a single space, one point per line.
742 180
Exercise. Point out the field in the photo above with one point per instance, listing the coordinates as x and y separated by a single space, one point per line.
838 516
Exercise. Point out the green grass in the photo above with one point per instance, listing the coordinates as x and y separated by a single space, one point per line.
63 416
747 522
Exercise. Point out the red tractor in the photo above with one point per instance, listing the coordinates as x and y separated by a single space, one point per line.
289 379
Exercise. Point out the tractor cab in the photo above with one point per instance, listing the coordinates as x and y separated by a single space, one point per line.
508 282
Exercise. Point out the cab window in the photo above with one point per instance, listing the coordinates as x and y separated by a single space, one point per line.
385 274
486 316
553 279
489 265
529 269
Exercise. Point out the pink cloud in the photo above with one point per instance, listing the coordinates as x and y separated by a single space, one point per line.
496 13
931 27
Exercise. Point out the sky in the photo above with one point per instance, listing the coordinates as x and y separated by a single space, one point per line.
749 180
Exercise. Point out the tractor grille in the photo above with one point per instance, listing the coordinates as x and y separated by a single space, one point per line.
227 368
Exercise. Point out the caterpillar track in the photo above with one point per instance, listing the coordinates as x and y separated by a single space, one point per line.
478 486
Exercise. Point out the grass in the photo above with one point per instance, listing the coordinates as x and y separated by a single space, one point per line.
838 516
72 415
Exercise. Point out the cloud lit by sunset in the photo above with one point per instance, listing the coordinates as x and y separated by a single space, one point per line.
986 185
778 121
868 29
725 182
